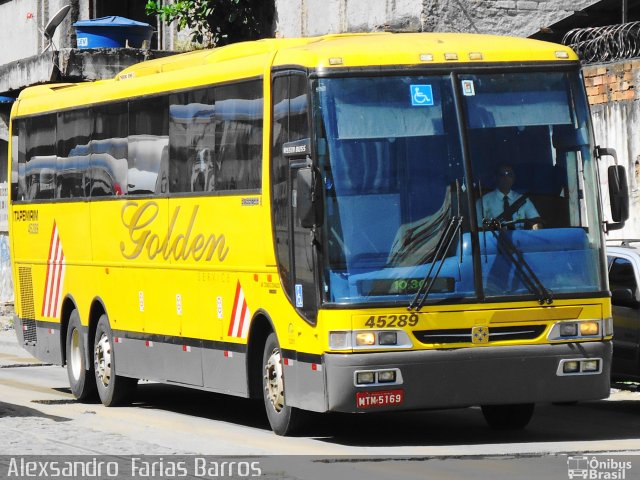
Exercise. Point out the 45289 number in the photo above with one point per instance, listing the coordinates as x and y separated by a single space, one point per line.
387 321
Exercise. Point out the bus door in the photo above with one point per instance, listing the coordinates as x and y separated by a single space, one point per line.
304 285
290 153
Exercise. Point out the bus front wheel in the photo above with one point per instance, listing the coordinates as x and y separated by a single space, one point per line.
113 389
284 420
81 378
508 417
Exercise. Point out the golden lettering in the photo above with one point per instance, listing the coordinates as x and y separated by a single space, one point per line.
197 246
137 222
138 219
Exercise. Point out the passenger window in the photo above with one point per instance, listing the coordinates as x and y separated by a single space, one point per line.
109 151
239 135
40 157
192 136
148 147
215 138
74 134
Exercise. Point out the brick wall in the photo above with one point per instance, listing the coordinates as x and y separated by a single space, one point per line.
612 83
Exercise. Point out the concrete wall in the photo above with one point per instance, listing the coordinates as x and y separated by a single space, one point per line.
502 17
615 110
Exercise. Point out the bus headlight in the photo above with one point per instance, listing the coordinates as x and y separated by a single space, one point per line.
365 378
569 329
388 338
368 339
589 328
365 339
579 366
576 330
572 366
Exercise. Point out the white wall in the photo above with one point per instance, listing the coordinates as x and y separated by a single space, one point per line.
295 18
503 17
19 22
617 125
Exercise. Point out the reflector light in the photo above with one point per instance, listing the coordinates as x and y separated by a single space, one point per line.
475 56
451 56
426 57
335 61
562 54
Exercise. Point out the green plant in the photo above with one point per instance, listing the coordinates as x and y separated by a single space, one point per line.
218 22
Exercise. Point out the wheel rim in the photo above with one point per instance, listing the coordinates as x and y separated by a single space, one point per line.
103 360
75 354
273 380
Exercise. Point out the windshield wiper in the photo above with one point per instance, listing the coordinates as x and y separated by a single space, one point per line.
524 270
444 243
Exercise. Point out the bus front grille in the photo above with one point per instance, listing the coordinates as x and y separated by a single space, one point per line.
464 335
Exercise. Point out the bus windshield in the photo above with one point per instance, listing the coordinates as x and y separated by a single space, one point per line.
390 153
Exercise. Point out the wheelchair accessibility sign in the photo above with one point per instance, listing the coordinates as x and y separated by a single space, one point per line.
421 95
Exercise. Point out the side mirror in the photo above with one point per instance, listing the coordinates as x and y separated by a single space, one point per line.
618 193
309 197
618 190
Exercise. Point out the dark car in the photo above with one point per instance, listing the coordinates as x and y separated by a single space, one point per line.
624 274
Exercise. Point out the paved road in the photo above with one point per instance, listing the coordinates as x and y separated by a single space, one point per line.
38 415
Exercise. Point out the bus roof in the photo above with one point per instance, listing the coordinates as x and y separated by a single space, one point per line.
255 58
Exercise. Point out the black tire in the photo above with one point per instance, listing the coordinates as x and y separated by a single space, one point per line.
81 377
113 389
508 417
284 420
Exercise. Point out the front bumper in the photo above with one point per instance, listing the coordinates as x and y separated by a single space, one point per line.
472 376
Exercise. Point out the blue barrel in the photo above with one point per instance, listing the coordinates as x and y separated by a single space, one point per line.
112 32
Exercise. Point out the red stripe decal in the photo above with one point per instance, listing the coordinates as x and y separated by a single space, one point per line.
233 311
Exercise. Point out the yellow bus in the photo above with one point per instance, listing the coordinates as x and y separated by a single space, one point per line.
313 222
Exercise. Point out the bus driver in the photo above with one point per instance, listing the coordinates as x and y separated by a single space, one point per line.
507 206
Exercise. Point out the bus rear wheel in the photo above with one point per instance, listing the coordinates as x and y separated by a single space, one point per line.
81 378
113 389
284 420
508 417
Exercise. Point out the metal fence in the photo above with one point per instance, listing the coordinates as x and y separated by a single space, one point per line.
605 44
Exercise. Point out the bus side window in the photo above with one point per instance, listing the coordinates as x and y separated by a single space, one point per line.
192 141
73 172
109 150
239 119
147 144
40 153
18 160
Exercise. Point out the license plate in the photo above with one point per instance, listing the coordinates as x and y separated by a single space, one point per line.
379 399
